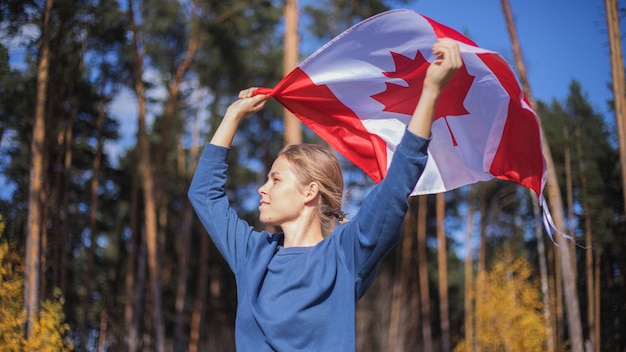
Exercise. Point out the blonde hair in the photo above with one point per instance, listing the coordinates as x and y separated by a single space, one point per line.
319 164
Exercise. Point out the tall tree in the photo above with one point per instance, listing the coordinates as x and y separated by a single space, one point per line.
442 250
589 254
145 167
93 213
422 264
469 273
543 274
174 64
591 153
554 196
200 297
35 206
619 85
397 316
293 128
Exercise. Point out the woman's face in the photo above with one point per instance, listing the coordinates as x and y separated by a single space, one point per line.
282 196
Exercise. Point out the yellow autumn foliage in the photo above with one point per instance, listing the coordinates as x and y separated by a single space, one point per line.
508 314
48 331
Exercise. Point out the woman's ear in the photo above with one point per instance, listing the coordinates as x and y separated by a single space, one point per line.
311 191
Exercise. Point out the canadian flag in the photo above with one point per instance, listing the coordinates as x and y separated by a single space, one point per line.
359 91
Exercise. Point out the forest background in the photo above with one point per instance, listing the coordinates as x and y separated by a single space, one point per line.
99 249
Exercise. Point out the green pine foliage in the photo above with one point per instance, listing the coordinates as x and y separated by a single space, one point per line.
241 46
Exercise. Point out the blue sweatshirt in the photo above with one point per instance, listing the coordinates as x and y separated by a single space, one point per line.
304 298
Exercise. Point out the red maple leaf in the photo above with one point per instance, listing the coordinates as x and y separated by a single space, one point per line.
403 99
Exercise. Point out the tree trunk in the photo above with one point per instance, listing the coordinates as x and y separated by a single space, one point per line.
568 277
293 128
442 266
145 169
34 225
397 319
200 295
469 281
569 225
139 293
481 268
60 253
201 291
556 295
184 251
415 330
93 217
589 253
597 301
132 328
60 256
423 273
183 273
554 196
172 100
170 109
102 335
482 247
619 88
543 272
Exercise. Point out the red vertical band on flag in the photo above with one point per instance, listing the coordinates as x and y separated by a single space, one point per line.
519 157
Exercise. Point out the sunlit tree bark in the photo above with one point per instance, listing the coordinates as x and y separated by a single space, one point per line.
102 335
397 318
469 275
481 267
145 168
544 279
423 273
619 86
132 280
35 206
598 321
93 217
201 294
184 173
556 202
187 214
589 253
442 266
293 128
556 294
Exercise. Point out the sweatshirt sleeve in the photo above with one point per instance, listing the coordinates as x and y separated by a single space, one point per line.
208 198
376 228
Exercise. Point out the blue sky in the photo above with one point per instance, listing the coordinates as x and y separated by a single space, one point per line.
561 40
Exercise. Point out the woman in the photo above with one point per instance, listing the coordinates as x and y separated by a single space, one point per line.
297 290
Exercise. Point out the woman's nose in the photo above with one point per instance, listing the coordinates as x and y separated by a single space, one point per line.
262 189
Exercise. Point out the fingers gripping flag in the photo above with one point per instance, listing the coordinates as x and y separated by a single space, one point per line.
359 91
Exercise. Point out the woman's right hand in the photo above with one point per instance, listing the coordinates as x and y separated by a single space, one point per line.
243 107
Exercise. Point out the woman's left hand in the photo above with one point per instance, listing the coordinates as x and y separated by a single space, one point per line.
445 66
